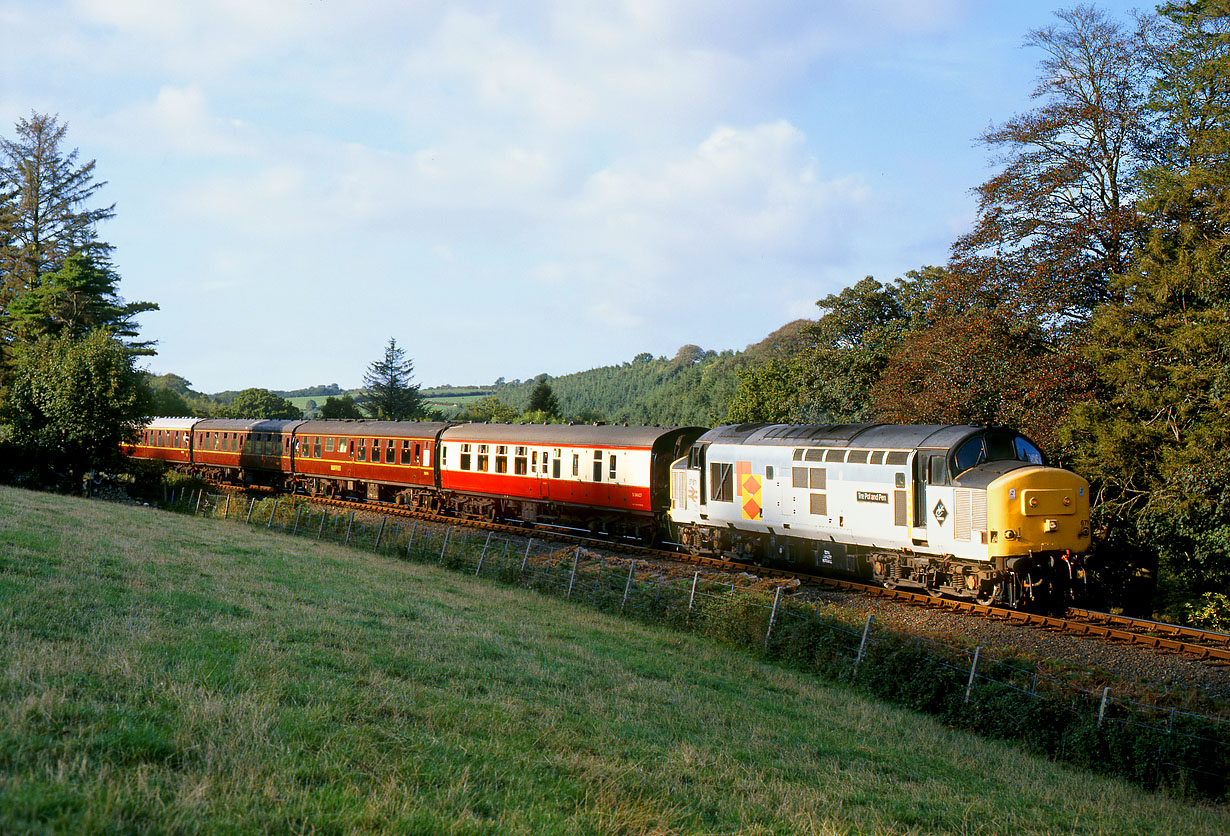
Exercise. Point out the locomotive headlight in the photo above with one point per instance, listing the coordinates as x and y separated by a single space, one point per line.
1009 534
1051 525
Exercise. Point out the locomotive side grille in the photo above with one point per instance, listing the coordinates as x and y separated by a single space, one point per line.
979 510
961 517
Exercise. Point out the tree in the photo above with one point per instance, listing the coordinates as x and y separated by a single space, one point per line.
261 403
488 410
389 393
1155 442
343 407
46 218
71 403
78 298
543 400
767 394
1058 221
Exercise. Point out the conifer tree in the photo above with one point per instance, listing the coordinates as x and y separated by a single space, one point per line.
389 391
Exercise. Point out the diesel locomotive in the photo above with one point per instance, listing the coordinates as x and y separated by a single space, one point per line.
958 510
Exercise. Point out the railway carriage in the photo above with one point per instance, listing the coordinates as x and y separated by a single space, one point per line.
379 460
164 439
960 510
254 452
607 479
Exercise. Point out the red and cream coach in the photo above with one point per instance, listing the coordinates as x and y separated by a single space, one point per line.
608 479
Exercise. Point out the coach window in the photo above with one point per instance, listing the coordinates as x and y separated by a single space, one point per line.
405 452
597 465
482 457
316 448
330 444
501 458
576 464
390 452
360 449
534 462
521 460
555 463
343 444
612 472
465 457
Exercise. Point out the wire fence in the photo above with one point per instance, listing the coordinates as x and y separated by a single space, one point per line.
1156 747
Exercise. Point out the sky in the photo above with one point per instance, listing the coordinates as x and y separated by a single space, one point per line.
512 188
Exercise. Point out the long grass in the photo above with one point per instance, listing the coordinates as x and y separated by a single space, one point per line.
163 674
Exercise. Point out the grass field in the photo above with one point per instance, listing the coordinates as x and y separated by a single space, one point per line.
164 674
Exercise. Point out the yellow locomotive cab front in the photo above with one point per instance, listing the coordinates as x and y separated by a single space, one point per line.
1038 510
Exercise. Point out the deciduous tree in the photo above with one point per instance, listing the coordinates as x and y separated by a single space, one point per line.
1156 442
343 407
71 403
261 403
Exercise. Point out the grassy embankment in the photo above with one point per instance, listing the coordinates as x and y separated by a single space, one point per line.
163 674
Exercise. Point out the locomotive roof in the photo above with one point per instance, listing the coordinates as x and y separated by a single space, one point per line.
577 435
857 436
350 426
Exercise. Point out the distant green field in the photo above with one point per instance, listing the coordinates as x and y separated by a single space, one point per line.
165 674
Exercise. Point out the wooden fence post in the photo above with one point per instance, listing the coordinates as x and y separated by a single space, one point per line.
324 513
272 514
444 548
1102 708
576 559
380 534
777 597
973 671
628 585
349 525
527 554
863 644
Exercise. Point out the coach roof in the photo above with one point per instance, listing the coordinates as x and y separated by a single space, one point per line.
571 435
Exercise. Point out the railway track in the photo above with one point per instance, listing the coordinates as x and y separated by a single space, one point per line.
1205 645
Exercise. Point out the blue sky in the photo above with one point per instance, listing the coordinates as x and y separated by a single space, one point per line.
510 188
